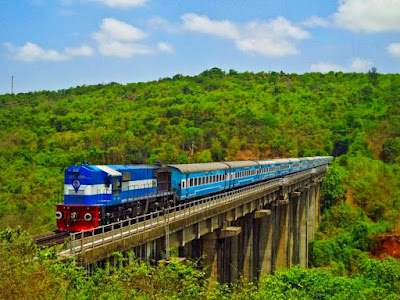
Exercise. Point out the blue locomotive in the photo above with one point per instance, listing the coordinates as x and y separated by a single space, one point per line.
98 195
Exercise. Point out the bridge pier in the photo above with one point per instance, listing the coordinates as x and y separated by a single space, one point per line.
303 233
211 247
265 243
282 231
295 229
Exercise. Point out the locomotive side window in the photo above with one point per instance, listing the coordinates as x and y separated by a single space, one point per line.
126 176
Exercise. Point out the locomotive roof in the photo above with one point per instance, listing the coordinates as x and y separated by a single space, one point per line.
109 170
132 167
202 167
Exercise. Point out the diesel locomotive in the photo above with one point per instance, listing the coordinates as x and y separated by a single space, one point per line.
96 195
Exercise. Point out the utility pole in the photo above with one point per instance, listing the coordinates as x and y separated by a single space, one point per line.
12 85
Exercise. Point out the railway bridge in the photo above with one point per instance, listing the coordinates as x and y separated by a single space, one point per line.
246 232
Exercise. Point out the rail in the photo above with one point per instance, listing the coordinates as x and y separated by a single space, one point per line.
109 233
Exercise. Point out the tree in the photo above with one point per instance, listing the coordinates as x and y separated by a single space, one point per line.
192 138
390 150
373 76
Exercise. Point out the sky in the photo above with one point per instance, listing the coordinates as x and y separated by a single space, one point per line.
58 44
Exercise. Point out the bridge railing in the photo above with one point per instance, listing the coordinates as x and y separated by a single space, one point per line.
79 241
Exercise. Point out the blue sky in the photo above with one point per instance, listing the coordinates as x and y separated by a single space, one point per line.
57 44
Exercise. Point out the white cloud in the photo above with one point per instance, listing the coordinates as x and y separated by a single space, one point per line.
117 38
326 67
272 38
357 65
315 21
31 52
117 48
203 24
159 23
165 47
394 49
113 29
368 15
121 3
81 51
360 65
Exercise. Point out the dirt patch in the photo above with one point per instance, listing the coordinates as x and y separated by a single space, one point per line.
387 245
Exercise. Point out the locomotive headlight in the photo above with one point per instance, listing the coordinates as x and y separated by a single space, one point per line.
59 215
88 217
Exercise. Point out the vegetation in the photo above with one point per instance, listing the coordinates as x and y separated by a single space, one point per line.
27 272
213 116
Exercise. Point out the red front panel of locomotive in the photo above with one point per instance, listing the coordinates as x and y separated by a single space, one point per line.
77 217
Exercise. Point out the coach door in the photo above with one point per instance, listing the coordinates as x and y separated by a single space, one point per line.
164 180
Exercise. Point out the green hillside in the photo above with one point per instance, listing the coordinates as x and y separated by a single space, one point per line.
213 116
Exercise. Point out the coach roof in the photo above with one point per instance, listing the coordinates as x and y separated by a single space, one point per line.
241 164
204 167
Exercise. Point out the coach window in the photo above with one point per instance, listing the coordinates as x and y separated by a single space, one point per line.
191 181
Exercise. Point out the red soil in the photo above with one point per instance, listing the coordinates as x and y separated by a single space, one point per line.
387 245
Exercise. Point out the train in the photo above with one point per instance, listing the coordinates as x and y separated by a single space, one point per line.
96 195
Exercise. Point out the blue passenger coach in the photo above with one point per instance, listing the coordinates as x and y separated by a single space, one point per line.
195 180
242 173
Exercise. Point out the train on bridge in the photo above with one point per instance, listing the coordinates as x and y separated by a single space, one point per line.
96 195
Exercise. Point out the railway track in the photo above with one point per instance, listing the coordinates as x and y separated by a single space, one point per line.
51 238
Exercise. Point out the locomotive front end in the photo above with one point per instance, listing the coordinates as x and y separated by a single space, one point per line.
80 210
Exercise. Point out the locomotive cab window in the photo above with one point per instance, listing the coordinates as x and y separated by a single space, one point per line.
107 182
116 183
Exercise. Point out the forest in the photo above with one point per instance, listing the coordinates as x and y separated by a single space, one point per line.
217 116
